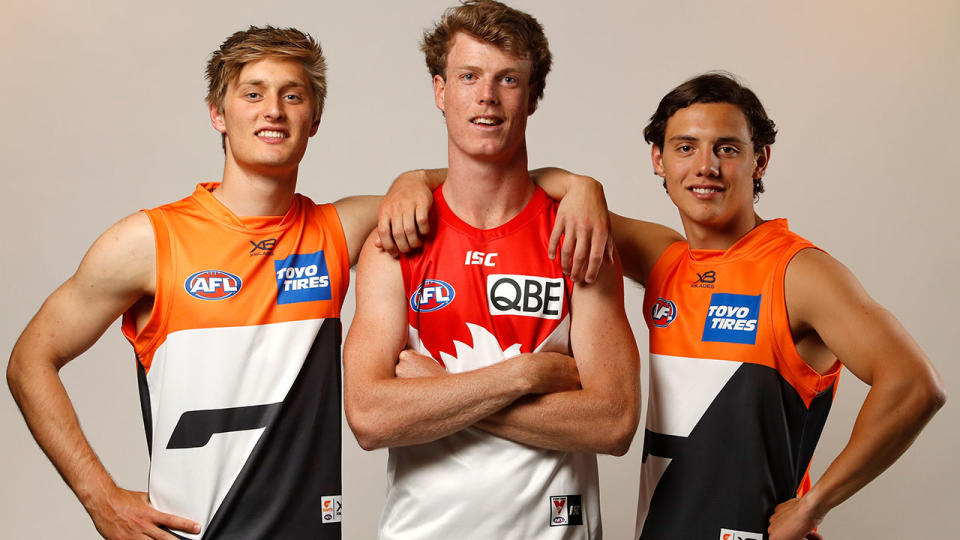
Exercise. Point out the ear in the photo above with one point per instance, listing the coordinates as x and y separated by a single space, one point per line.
216 118
532 108
438 86
313 128
763 159
656 156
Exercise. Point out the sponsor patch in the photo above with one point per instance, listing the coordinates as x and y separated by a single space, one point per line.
212 285
263 247
730 534
529 296
432 295
331 509
565 510
302 277
732 318
663 312
705 280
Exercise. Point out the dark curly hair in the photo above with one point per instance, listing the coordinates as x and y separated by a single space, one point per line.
714 87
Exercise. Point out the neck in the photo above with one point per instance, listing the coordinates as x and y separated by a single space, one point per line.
248 192
487 194
706 236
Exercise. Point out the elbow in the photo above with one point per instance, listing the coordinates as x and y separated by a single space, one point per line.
365 429
934 396
621 430
15 375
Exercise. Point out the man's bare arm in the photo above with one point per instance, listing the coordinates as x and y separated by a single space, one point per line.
582 218
117 271
384 410
601 416
640 243
905 389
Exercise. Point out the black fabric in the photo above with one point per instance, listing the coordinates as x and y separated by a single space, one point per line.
747 454
297 460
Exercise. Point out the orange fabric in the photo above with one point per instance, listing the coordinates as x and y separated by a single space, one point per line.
187 231
755 265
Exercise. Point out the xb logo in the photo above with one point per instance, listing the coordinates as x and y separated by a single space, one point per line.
663 312
263 247
705 280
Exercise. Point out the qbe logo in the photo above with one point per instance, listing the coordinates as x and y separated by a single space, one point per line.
302 277
432 295
732 318
529 296
212 285
730 534
331 509
663 312
565 510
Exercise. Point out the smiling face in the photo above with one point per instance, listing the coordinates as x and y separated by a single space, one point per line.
267 116
485 98
709 164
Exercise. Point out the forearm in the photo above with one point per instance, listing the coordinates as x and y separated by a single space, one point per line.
51 418
894 412
574 421
399 412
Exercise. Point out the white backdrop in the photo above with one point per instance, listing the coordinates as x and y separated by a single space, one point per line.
104 115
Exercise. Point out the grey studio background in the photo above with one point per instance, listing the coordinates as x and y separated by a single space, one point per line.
103 115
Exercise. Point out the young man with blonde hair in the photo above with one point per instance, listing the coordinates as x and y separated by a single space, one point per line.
231 299
514 377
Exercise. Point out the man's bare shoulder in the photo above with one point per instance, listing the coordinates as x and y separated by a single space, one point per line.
124 256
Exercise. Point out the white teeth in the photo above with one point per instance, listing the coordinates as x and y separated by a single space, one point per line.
485 121
271 134
705 190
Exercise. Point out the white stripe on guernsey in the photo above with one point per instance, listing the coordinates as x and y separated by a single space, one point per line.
216 368
681 390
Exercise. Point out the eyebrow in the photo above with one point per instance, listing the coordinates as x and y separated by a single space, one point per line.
720 140
259 82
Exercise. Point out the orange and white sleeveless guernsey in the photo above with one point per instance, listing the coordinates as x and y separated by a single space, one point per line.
734 412
239 368
475 298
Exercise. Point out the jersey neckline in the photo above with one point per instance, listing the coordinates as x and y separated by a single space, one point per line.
205 198
537 203
741 247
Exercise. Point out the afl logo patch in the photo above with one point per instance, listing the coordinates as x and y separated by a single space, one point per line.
663 313
212 285
432 295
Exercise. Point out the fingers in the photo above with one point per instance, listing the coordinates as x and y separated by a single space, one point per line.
176 523
384 235
598 255
558 227
581 250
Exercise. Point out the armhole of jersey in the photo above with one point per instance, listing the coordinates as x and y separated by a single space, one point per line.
146 341
807 381
333 230
654 280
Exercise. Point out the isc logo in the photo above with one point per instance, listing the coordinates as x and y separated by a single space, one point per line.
529 296
480 258
663 312
432 295
212 285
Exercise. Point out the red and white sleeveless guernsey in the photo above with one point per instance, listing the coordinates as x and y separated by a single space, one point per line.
476 297
239 368
734 413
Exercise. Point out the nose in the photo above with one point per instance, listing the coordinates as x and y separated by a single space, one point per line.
273 107
488 93
709 164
